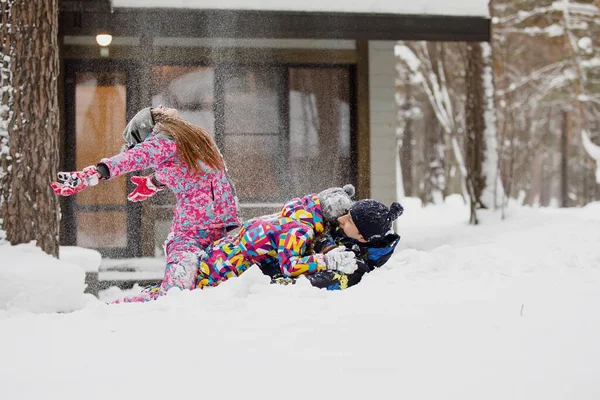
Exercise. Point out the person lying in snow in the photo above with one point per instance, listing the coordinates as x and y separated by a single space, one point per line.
333 251
285 236
364 230
186 159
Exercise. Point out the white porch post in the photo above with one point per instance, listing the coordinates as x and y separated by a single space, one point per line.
382 111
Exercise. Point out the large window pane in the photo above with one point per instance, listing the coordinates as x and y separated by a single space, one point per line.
285 131
320 141
100 106
102 229
255 167
255 133
188 89
253 100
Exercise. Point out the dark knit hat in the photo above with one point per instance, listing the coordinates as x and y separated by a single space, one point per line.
373 219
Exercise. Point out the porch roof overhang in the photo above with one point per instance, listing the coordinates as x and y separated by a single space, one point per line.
437 20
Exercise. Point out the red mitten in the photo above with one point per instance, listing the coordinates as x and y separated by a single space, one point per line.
71 183
145 188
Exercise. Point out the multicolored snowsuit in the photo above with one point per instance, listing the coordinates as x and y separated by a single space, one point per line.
284 237
205 210
369 256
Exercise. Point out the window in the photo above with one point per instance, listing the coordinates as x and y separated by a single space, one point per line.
188 89
284 130
320 133
100 105
254 133
191 91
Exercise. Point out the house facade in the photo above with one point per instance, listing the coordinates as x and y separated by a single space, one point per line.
298 96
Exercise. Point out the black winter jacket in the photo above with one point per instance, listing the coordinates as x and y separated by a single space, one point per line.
369 255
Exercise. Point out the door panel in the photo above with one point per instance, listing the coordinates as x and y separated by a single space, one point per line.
320 128
97 104
100 117
253 132
102 229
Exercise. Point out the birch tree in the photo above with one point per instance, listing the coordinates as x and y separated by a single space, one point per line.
542 85
426 64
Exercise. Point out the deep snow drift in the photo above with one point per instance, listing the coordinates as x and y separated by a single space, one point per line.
502 310
34 281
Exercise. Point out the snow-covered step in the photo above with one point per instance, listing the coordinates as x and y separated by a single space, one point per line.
88 259
126 272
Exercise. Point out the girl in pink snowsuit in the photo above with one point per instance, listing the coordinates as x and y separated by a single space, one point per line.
186 160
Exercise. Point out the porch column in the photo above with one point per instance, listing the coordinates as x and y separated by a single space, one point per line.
382 126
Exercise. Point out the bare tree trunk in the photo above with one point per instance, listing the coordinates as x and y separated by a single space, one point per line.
475 127
435 174
546 179
535 184
564 158
29 122
406 151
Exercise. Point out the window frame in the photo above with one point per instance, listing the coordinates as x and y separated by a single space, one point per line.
69 207
219 109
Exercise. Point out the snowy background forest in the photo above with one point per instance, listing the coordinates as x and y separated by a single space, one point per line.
546 65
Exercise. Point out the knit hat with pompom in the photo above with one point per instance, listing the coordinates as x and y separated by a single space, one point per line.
373 219
336 201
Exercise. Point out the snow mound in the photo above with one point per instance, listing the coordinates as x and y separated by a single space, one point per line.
591 210
34 281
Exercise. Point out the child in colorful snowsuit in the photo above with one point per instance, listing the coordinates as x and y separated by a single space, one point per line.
285 236
186 160
364 230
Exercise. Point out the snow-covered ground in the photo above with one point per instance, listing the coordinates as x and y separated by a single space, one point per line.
34 281
504 310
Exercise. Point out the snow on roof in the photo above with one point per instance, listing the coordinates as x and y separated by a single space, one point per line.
472 8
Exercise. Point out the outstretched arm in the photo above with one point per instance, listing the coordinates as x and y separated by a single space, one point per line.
70 183
147 154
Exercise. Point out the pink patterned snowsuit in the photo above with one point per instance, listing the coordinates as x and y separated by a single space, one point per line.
205 210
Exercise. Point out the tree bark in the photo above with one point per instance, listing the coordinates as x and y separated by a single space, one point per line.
407 138
564 162
475 127
434 178
30 127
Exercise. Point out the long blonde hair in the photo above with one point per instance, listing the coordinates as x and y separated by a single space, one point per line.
193 143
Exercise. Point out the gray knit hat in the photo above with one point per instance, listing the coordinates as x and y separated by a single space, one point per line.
335 201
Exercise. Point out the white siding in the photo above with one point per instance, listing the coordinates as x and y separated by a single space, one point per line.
382 114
